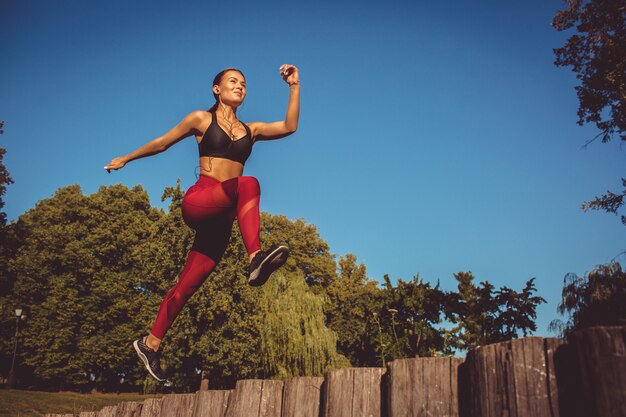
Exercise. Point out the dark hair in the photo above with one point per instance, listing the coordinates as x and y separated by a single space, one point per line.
218 79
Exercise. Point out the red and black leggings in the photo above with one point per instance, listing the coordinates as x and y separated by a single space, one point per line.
210 207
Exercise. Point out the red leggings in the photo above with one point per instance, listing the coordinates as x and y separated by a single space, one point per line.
210 207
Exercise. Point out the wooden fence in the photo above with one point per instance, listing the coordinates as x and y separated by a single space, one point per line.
529 377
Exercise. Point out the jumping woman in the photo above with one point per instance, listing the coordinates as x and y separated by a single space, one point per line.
220 195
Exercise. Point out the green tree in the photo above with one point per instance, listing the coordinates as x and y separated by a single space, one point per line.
77 272
5 180
596 299
294 338
354 302
9 242
484 315
596 54
412 311
8 233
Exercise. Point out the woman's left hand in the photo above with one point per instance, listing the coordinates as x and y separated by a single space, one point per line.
290 74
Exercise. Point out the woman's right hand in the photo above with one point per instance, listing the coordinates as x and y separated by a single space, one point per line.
116 164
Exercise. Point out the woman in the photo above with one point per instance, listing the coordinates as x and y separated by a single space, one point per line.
220 194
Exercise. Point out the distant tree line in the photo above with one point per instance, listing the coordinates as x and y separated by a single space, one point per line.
93 270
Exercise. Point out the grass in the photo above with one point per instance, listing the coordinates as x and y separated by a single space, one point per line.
17 403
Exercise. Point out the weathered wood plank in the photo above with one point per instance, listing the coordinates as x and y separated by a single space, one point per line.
128 409
88 414
511 379
271 398
564 379
256 398
423 387
151 408
108 411
353 392
602 359
211 403
177 405
246 398
301 397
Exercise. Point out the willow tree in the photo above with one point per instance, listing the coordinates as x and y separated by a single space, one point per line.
595 299
294 338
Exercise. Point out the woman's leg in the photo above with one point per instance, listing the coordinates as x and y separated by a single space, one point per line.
208 247
209 207
247 194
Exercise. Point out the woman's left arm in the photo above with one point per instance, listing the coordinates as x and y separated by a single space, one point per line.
277 130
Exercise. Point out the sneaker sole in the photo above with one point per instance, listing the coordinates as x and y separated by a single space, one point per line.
144 359
271 263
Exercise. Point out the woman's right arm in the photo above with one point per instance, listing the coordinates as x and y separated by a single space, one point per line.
187 127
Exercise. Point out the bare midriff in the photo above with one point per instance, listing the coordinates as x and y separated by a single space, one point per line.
221 169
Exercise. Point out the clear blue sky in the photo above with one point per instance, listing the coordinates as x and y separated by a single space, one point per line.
435 137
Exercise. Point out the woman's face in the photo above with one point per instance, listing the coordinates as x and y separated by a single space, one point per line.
232 88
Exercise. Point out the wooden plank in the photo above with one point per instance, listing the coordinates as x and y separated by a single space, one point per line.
128 409
256 398
212 403
246 398
564 381
151 407
602 361
338 392
271 399
301 397
108 411
88 414
423 387
353 392
177 405
551 345
511 379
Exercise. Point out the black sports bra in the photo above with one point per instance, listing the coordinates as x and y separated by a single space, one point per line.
215 142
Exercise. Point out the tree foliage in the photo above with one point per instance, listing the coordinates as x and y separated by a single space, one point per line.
595 299
484 315
413 311
609 202
77 275
10 242
294 337
94 270
5 180
596 54
354 302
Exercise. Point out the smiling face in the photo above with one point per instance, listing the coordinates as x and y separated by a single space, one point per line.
230 88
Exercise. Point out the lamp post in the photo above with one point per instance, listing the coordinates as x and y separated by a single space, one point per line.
20 314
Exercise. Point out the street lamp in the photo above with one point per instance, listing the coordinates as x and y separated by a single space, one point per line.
20 314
